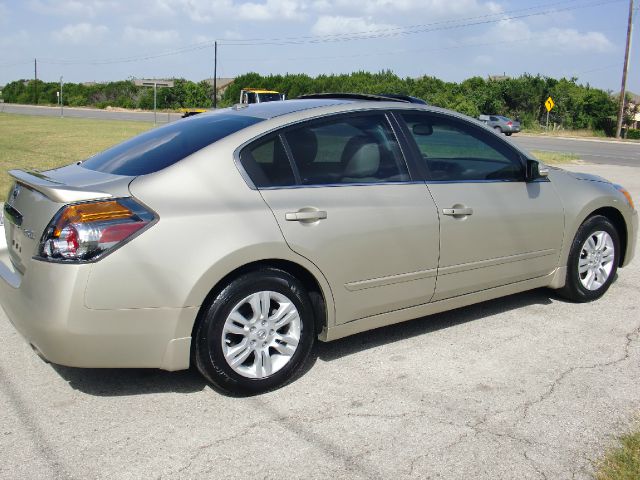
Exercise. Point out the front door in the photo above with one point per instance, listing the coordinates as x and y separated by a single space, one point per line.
495 228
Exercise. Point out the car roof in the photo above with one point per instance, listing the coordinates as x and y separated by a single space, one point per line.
268 110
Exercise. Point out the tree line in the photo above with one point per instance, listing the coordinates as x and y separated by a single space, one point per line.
578 106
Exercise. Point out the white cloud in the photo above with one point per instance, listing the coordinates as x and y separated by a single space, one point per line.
335 25
66 8
549 41
426 9
273 10
80 33
570 40
150 37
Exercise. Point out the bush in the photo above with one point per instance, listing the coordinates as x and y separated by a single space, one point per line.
633 134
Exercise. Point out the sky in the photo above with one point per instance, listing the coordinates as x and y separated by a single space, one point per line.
104 40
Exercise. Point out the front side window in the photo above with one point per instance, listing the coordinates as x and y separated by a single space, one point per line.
347 149
455 151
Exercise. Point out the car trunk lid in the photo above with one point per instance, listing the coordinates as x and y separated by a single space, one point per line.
35 197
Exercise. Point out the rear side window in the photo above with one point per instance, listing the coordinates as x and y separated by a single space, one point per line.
164 146
267 164
347 149
456 151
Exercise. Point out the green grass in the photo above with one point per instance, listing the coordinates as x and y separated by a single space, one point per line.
42 143
623 462
555 157
582 133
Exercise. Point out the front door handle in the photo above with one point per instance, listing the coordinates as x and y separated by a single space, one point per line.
306 216
457 211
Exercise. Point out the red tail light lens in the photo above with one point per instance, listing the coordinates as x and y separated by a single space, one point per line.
87 231
509 123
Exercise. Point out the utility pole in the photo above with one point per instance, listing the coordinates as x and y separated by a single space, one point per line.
61 102
35 81
215 74
624 72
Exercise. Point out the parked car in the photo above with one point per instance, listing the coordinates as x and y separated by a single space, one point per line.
501 124
234 239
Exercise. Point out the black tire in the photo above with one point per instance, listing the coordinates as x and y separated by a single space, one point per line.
209 356
508 134
574 290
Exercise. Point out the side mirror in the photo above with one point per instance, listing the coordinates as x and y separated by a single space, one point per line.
535 170
422 129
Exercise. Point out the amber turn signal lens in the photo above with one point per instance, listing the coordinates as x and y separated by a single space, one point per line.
91 212
626 194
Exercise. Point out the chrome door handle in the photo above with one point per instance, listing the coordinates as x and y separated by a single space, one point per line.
457 211
305 216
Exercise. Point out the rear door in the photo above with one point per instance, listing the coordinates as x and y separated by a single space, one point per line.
349 206
495 228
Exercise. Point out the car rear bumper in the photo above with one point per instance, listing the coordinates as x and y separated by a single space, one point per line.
46 306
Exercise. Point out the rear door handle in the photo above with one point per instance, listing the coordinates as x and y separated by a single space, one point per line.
457 211
305 216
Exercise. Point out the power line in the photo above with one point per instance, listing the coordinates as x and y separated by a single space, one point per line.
364 35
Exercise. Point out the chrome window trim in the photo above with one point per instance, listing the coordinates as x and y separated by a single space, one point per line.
333 185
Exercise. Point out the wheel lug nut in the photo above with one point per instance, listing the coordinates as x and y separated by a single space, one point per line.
252 329
264 323
264 344
253 342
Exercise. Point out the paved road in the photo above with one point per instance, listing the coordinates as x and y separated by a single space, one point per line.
526 387
592 151
88 113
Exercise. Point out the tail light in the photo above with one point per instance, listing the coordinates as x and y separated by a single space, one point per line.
85 232
509 123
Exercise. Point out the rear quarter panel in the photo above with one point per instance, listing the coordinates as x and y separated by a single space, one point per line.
210 223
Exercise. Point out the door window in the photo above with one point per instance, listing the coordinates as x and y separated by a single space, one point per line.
347 150
267 164
453 150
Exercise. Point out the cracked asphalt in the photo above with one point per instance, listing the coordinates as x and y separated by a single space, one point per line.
524 387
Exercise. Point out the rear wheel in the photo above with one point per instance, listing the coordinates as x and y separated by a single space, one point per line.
508 134
256 334
593 260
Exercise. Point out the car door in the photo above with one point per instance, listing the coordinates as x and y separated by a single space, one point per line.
495 228
351 208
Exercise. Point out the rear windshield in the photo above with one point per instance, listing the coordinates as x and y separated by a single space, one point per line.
164 146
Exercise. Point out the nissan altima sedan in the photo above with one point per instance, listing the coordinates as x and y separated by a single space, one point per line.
235 239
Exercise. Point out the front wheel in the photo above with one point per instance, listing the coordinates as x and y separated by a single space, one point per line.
256 334
593 260
497 129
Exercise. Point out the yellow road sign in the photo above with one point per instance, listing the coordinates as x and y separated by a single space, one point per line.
549 104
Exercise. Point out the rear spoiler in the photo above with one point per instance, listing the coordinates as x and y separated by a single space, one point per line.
53 190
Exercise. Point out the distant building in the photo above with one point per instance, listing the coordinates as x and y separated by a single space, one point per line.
498 78
221 83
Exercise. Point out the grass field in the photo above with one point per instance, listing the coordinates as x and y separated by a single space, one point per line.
555 157
41 143
622 463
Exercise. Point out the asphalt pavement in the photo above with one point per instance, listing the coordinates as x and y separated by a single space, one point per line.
598 151
72 112
524 387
